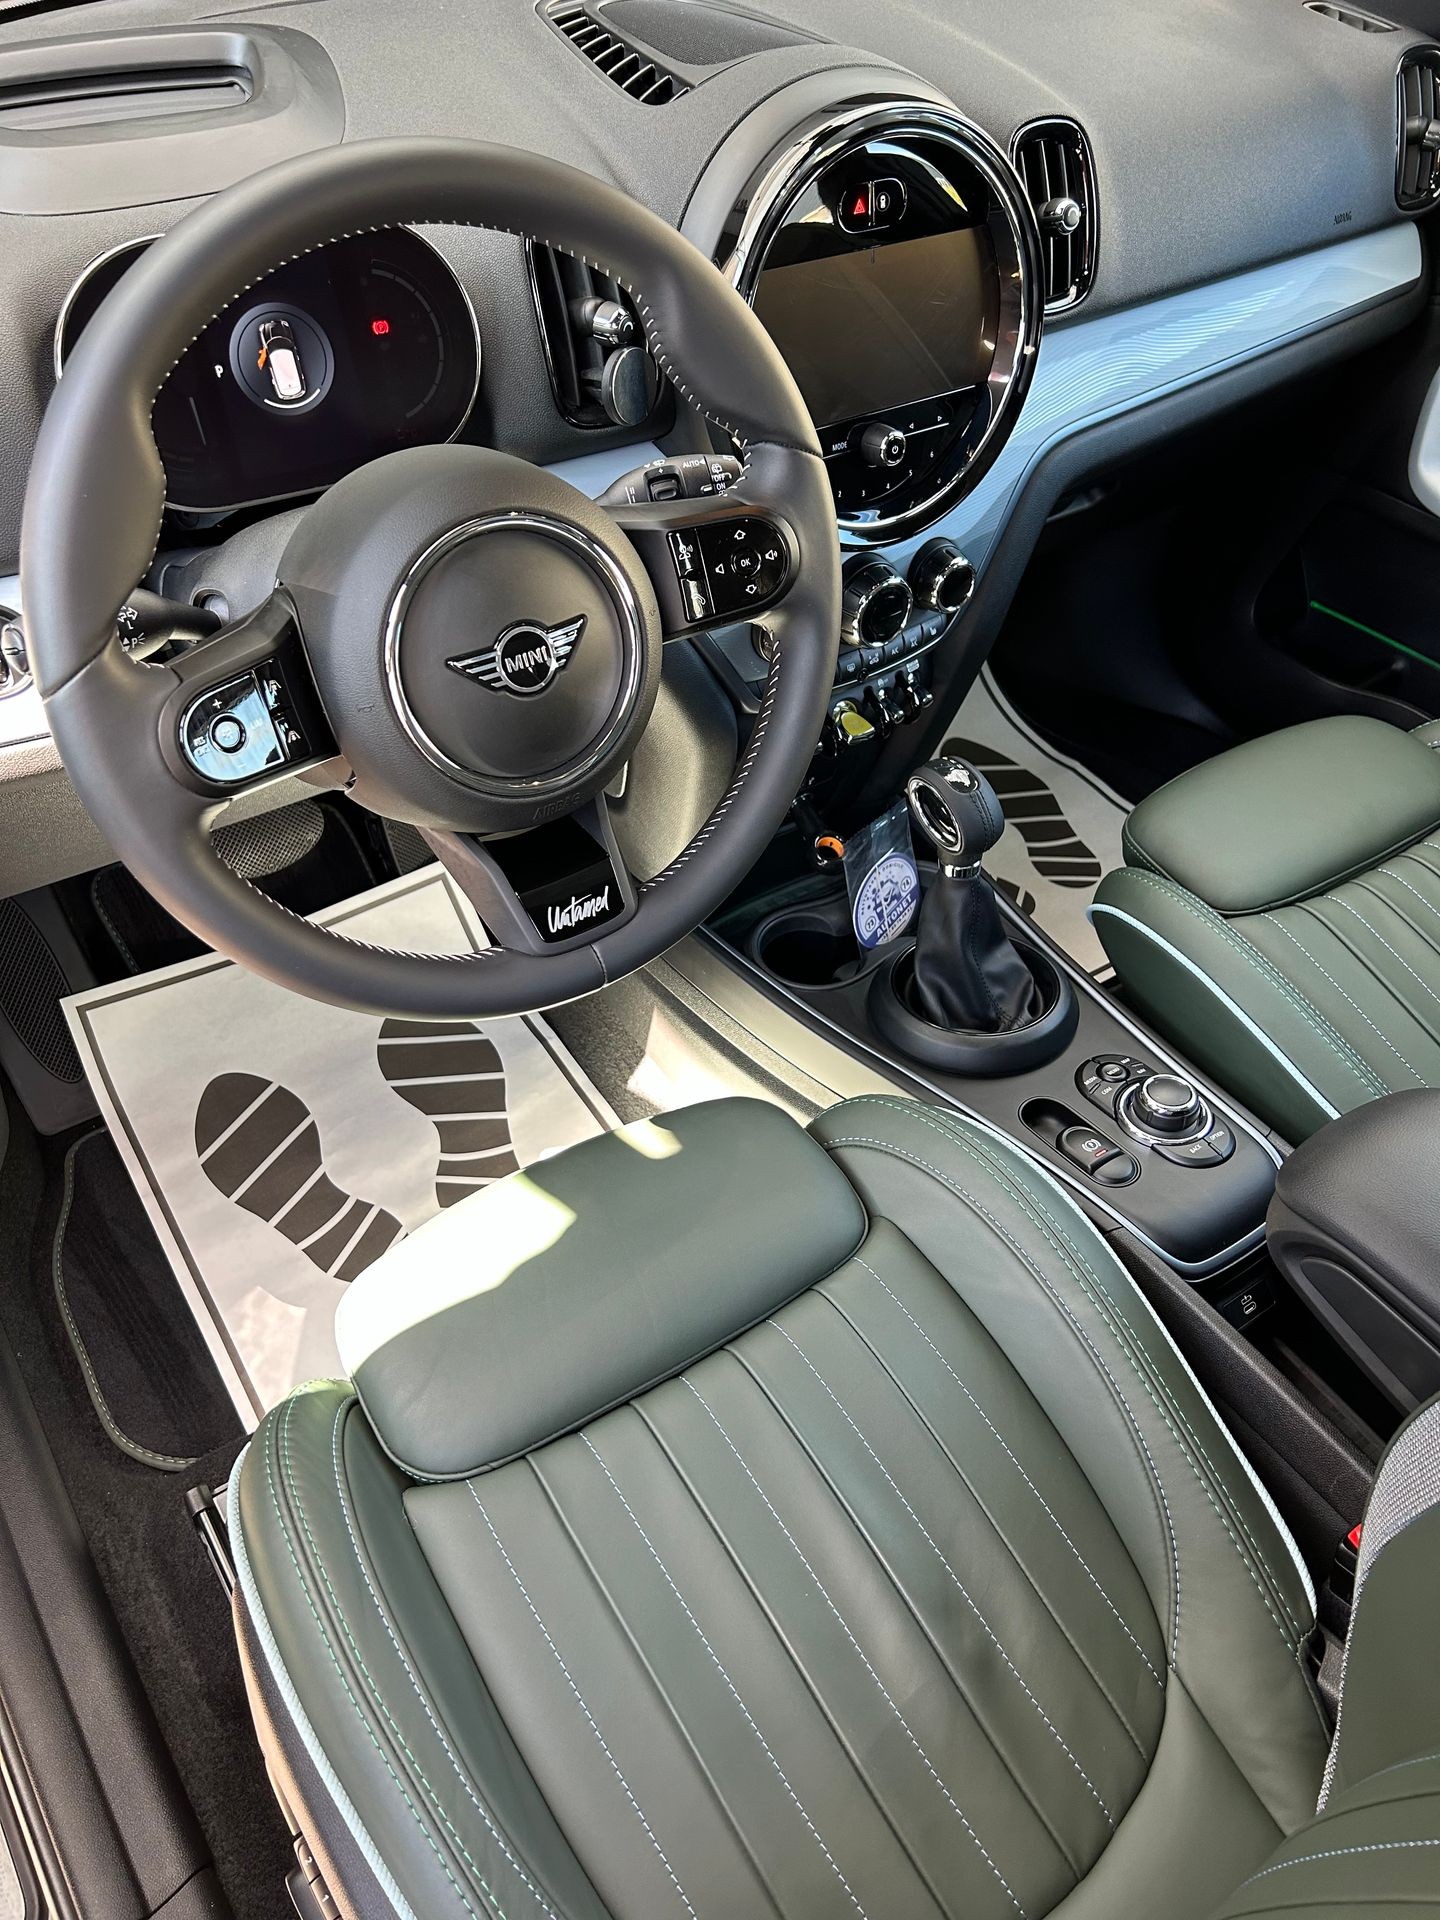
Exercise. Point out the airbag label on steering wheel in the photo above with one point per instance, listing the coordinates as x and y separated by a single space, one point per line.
882 877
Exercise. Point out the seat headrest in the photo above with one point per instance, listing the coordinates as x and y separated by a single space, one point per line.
573 1286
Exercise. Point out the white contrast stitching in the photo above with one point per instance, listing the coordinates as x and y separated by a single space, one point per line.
580 1699
1130 1342
460 1773
955 1579
1381 1036
1044 1503
953 1803
1339 1853
902 1153
1271 974
1376 933
334 1660
765 1748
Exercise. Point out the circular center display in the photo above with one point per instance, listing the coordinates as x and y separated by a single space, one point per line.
513 652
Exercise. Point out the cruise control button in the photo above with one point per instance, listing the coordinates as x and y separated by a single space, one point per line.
1189 1153
1116 1172
1085 1149
227 733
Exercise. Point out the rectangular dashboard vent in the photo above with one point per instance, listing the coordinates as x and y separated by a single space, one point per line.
1417 166
1351 17
623 64
1053 160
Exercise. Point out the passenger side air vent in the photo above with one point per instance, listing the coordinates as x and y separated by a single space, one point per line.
1351 17
1053 159
601 372
622 63
1417 174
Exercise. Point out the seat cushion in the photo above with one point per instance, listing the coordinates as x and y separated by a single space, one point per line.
1280 918
939 1590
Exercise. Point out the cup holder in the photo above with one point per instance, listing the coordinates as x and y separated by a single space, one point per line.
811 946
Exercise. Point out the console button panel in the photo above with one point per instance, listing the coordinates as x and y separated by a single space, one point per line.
1110 1081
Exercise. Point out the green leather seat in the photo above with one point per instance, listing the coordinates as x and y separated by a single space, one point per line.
1279 917
726 1520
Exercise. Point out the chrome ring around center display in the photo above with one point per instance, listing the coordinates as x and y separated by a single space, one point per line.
792 169
632 635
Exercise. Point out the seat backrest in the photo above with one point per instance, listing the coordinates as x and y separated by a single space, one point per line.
1375 1844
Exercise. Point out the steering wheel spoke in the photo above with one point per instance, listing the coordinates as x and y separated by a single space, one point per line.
552 890
243 707
713 562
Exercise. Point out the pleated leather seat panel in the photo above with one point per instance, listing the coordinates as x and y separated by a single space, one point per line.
811 1641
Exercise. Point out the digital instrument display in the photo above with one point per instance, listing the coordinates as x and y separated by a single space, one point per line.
354 351
875 326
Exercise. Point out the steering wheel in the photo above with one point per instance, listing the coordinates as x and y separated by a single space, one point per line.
456 637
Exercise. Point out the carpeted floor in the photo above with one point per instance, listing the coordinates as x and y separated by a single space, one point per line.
164 1594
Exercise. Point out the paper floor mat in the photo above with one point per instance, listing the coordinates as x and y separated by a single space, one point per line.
280 1144
1062 827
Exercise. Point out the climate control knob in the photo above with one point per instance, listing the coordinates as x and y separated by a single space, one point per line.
876 605
941 578
882 446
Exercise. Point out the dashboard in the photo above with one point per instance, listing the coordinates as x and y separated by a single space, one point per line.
978 234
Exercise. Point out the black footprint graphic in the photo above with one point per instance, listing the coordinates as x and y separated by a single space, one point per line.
451 1072
260 1147
1055 849
1022 896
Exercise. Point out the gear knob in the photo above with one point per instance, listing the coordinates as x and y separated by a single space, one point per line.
956 808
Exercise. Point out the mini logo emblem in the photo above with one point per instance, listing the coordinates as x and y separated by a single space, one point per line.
525 659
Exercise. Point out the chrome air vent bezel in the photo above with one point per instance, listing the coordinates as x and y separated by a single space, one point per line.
1416 199
1060 127
789 170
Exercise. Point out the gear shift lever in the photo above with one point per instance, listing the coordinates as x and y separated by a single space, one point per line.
967 975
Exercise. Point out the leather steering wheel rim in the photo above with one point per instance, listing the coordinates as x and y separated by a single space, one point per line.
96 491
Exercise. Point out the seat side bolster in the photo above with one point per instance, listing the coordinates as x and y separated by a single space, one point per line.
1223 1575
1376 1848
1230 1008
404 1723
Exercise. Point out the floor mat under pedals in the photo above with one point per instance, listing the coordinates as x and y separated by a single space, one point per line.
280 1145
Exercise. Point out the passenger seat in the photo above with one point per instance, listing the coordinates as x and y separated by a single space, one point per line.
1279 917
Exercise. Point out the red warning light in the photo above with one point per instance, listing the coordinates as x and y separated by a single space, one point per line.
861 207
379 328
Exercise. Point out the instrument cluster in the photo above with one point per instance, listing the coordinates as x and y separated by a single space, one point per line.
359 349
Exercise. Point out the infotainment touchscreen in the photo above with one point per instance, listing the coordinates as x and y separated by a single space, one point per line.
868 328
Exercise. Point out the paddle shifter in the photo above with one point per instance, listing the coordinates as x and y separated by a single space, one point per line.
968 997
